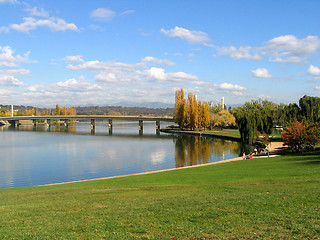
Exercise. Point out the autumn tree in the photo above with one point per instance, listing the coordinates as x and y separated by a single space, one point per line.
180 108
196 111
63 111
301 135
223 118
4 112
204 114
57 111
71 111
191 112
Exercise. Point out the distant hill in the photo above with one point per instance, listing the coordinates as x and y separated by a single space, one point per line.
144 104
119 110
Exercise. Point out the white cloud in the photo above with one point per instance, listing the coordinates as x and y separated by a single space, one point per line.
7 59
285 49
229 86
128 74
290 49
159 74
240 53
9 1
261 73
127 12
103 66
37 12
15 72
119 78
103 14
81 85
69 86
153 60
54 24
73 59
185 34
10 81
7 78
156 74
317 88
315 71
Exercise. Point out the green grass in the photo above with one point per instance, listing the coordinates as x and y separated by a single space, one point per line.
268 198
226 132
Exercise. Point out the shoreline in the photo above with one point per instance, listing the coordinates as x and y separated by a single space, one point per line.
200 134
275 148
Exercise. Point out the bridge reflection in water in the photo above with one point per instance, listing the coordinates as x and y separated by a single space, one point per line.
69 121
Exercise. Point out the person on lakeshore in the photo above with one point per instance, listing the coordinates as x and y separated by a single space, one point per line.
244 156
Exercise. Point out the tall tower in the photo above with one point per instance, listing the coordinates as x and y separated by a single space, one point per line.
222 103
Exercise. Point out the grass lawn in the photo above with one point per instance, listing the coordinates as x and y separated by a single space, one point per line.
267 198
226 132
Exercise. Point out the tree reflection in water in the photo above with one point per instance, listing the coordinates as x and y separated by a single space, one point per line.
191 150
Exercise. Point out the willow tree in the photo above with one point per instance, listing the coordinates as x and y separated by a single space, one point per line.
180 108
310 108
254 118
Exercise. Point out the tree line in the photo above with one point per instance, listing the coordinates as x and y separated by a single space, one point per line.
192 113
5 111
300 122
256 120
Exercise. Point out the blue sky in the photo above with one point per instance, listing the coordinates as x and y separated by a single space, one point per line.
78 53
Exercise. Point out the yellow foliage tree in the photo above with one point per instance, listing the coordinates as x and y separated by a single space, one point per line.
190 112
204 115
63 111
223 119
180 108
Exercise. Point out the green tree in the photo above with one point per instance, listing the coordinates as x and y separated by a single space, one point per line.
310 108
254 118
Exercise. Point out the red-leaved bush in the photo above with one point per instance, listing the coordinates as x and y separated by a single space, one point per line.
301 135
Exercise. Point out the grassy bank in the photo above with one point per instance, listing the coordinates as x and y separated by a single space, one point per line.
267 198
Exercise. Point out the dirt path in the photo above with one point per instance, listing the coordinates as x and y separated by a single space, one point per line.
276 147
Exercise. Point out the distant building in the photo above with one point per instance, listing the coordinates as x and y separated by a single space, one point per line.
222 103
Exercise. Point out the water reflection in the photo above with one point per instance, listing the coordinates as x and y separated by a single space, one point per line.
190 150
35 156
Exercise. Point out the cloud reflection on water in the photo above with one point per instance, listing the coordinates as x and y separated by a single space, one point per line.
31 157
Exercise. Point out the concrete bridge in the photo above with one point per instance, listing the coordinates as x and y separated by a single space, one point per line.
52 119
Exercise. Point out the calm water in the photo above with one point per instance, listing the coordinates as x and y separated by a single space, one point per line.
31 157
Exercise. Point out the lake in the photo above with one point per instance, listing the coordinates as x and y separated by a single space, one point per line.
38 156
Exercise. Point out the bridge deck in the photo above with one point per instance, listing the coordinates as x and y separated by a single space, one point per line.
89 117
